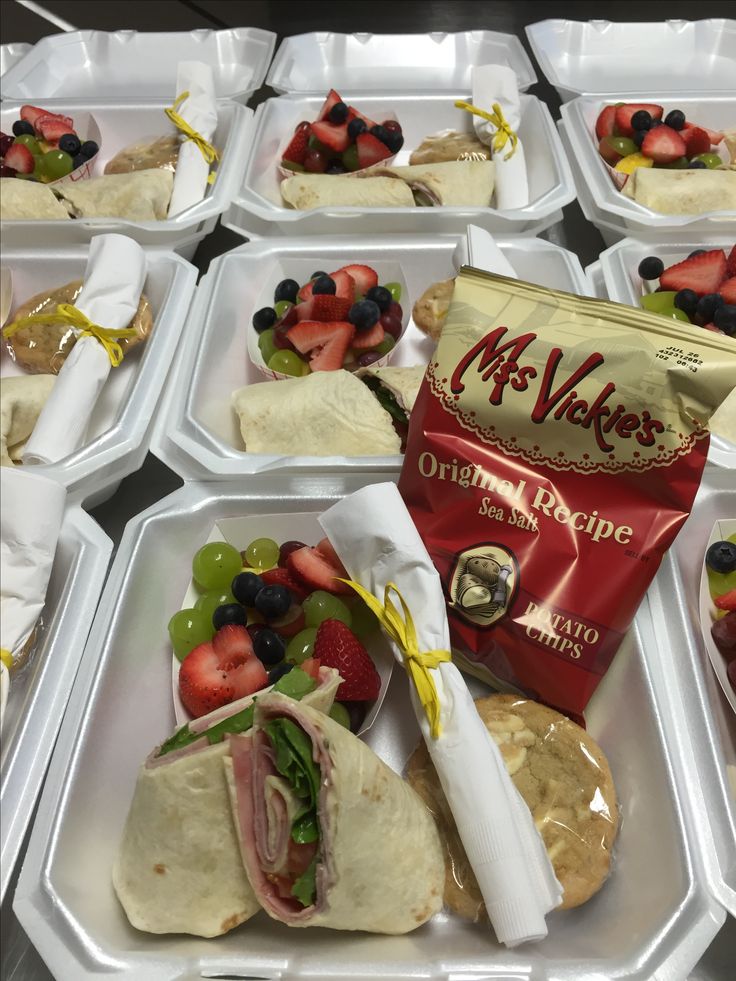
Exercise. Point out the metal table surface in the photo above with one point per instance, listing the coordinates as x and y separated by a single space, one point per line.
24 21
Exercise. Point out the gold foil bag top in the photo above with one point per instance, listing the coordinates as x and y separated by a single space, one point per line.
576 383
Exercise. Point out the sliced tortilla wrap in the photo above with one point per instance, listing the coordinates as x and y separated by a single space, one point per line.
462 183
308 191
178 868
378 862
402 383
140 196
682 192
21 401
29 201
328 413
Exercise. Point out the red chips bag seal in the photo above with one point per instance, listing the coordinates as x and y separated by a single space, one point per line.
554 451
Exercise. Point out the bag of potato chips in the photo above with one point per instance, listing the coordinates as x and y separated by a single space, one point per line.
554 451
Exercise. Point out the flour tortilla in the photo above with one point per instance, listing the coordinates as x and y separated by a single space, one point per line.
308 191
328 413
463 183
22 200
682 192
380 865
21 401
140 196
403 383
178 869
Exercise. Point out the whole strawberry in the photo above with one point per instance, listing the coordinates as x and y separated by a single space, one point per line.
336 646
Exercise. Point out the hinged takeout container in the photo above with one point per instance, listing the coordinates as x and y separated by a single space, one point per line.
138 65
11 54
653 918
39 690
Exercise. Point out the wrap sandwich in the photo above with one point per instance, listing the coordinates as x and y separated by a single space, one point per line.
178 868
139 196
29 201
367 856
21 399
682 192
304 192
459 184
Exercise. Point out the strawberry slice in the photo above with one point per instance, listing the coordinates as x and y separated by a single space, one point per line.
311 667
31 113
366 339
727 289
344 286
20 158
365 278
702 273
625 112
323 307
663 145
370 150
354 114
332 135
296 151
332 99
326 344
220 671
696 141
317 572
52 127
713 135
336 646
282 577
605 124
726 601
327 550
731 262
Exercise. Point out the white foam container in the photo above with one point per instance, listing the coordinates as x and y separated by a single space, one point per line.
619 266
258 211
617 212
11 54
40 690
119 433
598 56
138 65
652 919
121 124
323 60
197 433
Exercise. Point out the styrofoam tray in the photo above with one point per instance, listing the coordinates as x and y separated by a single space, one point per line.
619 266
139 65
10 54
597 56
121 124
627 216
704 734
653 918
117 440
39 691
258 211
197 433
323 60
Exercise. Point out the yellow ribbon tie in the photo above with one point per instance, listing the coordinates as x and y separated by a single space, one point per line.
208 151
67 313
403 633
503 133
6 657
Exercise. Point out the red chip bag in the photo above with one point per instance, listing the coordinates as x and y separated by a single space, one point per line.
554 451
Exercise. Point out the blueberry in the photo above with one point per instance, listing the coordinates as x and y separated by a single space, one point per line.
707 306
687 301
316 275
88 149
229 613
79 160
364 314
651 268
70 143
269 647
380 133
278 672
355 128
674 119
272 602
339 113
337 167
324 285
698 165
721 557
641 120
286 290
639 136
394 141
380 296
725 318
264 318
655 123
21 127
245 587
697 252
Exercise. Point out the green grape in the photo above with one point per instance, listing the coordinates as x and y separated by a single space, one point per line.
293 165
622 145
680 164
395 291
365 621
711 160
262 553
287 363
301 646
57 164
209 601
656 302
321 605
675 313
350 158
340 714
30 141
187 630
215 565
266 344
386 345
281 307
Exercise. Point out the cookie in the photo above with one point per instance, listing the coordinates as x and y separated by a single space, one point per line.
41 349
431 309
564 778
448 146
159 153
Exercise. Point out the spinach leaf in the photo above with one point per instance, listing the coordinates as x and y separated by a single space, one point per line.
305 828
305 887
386 399
181 738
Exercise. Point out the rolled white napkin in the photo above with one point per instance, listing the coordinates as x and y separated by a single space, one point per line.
498 83
479 249
113 283
199 109
378 543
